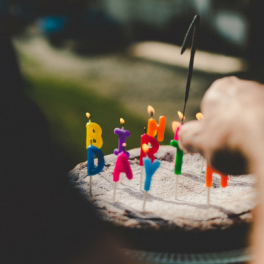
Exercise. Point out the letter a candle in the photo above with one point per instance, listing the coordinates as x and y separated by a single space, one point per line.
93 136
150 169
122 165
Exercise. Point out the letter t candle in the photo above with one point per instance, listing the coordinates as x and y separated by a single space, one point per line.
122 135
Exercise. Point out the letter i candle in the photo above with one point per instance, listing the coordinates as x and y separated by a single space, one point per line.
93 136
122 165
150 168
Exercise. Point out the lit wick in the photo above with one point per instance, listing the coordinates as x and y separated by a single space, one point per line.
145 148
151 111
123 146
181 116
88 116
122 122
199 116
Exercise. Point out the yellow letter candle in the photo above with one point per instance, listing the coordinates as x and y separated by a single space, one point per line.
94 133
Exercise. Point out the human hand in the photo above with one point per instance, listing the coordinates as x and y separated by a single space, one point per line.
231 134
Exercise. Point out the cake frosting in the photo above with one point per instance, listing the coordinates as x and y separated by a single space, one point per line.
228 216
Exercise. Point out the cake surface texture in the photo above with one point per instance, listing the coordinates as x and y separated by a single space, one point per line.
185 225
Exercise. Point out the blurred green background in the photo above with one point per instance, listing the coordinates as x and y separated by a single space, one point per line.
114 58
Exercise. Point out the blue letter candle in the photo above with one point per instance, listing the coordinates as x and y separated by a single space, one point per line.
91 151
150 169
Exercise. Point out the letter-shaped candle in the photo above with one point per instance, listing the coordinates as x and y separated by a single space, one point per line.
176 125
178 158
91 169
122 135
93 132
122 165
93 137
209 177
145 139
209 180
150 169
153 127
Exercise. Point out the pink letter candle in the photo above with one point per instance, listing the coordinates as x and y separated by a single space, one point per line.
122 165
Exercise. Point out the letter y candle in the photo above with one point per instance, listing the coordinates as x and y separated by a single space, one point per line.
150 169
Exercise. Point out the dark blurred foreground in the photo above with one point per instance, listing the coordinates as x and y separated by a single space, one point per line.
44 219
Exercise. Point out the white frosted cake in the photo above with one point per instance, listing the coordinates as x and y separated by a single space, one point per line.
185 225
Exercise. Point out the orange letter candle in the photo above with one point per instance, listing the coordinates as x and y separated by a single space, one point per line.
209 177
153 127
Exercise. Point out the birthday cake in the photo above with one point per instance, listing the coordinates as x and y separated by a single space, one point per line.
185 225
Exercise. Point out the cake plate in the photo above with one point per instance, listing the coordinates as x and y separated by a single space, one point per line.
228 257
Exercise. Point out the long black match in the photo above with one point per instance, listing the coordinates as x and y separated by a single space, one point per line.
194 26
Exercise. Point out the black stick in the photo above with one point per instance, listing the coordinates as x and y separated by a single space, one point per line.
194 26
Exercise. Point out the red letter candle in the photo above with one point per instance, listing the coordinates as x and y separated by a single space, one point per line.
153 127
146 139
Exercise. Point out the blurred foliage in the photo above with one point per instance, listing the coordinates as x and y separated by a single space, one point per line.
64 105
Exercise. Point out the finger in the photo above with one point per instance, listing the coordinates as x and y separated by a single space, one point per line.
190 137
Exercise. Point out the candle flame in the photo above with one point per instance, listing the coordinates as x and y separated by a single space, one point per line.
199 116
145 148
175 125
122 121
180 115
124 145
151 110
88 115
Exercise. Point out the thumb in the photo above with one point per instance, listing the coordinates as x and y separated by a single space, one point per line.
190 137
